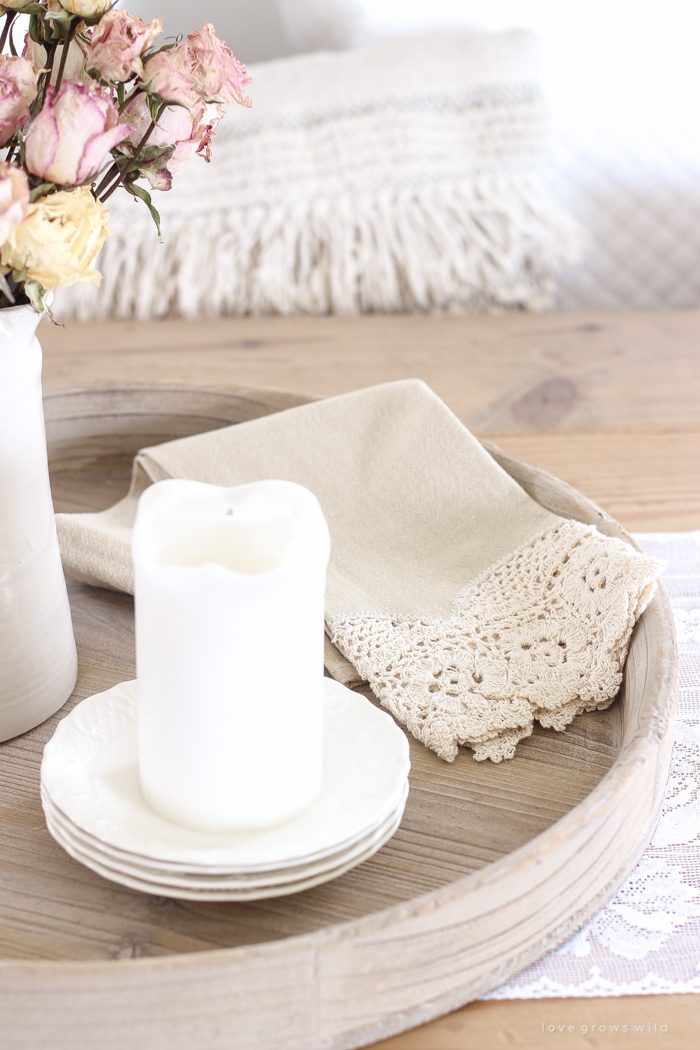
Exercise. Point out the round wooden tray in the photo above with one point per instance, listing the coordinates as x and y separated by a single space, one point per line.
492 866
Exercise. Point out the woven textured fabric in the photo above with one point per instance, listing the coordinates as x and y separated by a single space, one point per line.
646 940
398 177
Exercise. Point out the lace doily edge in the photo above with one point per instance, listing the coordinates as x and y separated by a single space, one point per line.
500 744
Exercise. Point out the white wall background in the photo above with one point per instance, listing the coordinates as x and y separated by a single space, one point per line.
257 30
623 82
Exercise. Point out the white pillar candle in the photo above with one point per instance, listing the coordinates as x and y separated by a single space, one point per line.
229 591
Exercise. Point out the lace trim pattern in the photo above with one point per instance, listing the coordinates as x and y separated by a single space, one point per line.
542 634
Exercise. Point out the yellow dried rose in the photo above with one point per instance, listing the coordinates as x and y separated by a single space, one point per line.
59 240
86 8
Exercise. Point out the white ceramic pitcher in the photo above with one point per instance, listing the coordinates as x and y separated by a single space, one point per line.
38 660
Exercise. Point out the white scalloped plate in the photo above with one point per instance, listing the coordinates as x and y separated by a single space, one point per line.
90 773
87 847
135 881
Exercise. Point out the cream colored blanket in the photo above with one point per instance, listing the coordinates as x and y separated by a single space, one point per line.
469 609
401 176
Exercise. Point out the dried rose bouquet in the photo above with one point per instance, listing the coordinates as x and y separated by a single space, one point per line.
93 105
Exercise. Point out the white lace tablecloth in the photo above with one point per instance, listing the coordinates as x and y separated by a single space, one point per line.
647 939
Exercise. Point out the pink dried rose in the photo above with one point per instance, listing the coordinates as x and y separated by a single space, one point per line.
190 131
72 136
167 73
201 67
18 89
218 75
117 43
14 199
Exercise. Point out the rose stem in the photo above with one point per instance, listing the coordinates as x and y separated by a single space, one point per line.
132 163
46 78
66 48
114 170
50 57
9 19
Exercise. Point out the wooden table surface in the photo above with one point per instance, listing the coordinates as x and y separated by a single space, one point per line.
608 402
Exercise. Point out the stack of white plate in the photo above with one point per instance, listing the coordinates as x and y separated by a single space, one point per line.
95 810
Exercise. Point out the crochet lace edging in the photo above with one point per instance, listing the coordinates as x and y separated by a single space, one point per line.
540 636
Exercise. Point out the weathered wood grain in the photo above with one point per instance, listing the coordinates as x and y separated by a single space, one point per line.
606 401
510 374
643 478
492 864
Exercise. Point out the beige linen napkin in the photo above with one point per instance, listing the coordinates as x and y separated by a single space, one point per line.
469 609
